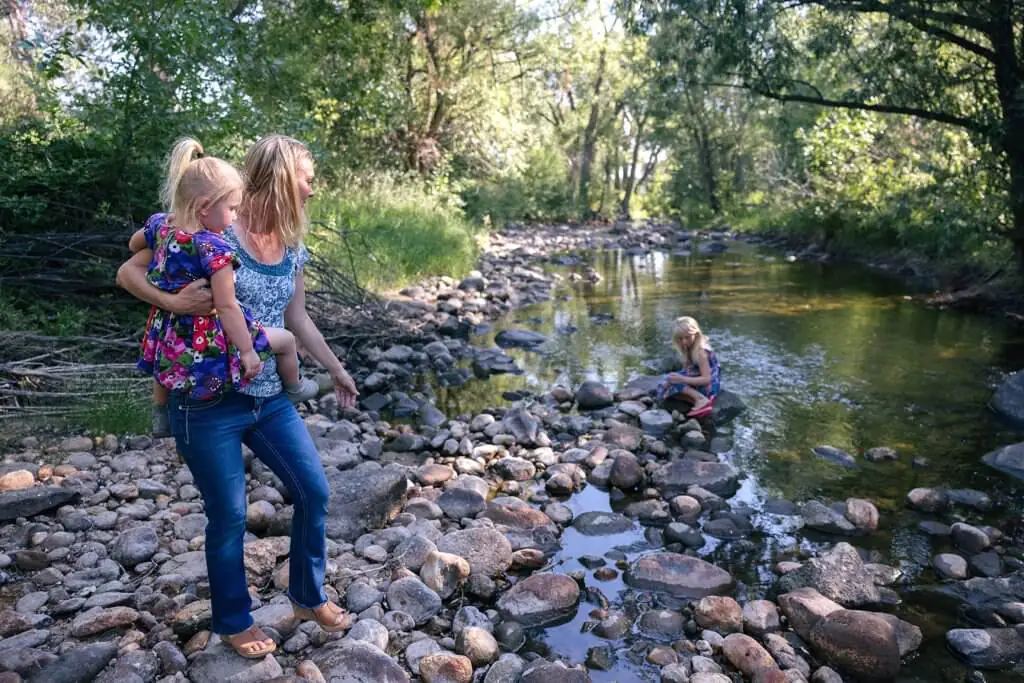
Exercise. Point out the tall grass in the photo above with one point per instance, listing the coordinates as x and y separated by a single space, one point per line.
393 233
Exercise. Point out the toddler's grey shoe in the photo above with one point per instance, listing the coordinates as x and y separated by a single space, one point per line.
161 422
305 390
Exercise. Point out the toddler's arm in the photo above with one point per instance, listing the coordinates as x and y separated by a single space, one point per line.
235 327
138 241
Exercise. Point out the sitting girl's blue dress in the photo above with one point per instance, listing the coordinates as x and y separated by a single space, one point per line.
667 390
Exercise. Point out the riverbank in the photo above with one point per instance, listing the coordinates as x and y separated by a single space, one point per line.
961 285
575 521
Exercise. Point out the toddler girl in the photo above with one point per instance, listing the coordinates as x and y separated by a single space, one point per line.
204 355
700 379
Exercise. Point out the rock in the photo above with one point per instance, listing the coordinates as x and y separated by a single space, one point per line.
478 645
676 673
719 613
626 472
539 599
487 550
1008 459
526 339
677 477
521 425
862 514
839 575
510 634
991 648
541 671
353 661
514 469
412 596
16 480
218 663
1008 400
678 575
506 670
662 623
365 497
805 607
24 661
822 518
655 422
987 564
950 566
446 667
880 453
99 620
370 631
836 455
12 623
135 545
784 653
33 501
825 674
746 654
760 617
259 516
858 642
593 395
927 500
602 523
443 572
727 407
458 503
516 514
969 538
77 665
172 660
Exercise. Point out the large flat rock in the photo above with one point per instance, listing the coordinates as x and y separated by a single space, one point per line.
356 661
679 575
540 599
33 501
675 478
1008 459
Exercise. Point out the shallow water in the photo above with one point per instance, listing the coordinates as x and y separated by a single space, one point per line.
822 354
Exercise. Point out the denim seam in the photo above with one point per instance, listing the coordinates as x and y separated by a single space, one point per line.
298 488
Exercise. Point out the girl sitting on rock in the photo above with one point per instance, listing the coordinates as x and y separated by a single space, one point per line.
204 355
700 379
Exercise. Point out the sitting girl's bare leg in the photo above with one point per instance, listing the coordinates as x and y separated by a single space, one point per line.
699 399
282 343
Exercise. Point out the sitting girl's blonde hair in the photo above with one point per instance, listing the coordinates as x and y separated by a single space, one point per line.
687 328
194 182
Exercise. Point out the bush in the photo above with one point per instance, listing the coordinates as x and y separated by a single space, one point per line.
540 192
394 232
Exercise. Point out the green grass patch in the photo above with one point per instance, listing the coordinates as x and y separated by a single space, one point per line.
392 234
127 412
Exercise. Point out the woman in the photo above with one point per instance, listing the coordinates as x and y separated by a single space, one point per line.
209 434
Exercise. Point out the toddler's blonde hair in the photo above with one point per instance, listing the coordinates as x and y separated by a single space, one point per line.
272 202
194 181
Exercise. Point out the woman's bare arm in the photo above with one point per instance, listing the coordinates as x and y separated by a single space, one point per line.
195 299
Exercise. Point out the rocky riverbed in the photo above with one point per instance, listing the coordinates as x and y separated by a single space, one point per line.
461 541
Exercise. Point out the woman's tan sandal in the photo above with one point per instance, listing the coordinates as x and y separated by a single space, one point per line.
328 616
252 643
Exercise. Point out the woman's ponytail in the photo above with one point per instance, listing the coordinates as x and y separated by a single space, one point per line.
184 152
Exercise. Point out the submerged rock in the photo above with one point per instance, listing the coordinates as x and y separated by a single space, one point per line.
678 575
1008 459
1008 401
991 648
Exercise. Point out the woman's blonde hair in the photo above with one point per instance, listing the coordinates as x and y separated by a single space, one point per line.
272 201
194 181
687 327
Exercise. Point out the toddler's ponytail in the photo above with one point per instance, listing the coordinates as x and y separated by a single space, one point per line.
184 152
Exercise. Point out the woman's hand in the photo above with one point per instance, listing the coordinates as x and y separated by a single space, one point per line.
195 299
676 378
345 388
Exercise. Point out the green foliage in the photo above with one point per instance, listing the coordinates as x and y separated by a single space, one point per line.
19 312
541 192
392 233
127 412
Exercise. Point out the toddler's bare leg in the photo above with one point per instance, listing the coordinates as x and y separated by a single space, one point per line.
282 343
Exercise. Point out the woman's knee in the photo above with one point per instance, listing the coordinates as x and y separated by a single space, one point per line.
226 520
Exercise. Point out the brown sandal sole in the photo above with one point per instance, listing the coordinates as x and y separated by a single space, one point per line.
306 614
237 647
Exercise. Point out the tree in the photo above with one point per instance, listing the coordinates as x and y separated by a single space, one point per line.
955 62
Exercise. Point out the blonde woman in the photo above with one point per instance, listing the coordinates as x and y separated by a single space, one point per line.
700 379
209 434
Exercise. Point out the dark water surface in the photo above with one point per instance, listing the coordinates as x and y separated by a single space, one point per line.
822 354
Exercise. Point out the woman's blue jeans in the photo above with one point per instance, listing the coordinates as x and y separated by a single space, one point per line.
209 436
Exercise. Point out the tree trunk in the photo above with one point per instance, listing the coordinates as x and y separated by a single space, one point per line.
589 145
1010 85
706 157
630 181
